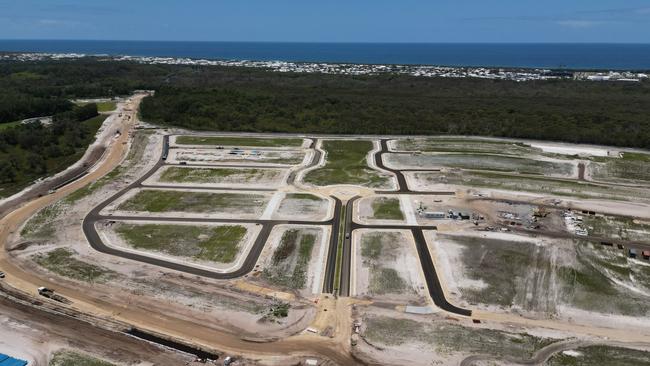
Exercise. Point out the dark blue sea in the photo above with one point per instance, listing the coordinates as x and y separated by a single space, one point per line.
570 56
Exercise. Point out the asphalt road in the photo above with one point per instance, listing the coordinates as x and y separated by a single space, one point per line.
248 265
344 285
330 267
401 180
430 275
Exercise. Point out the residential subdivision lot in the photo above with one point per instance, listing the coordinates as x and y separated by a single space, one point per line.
346 163
219 177
386 267
398 250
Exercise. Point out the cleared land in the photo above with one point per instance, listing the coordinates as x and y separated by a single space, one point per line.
302 205
618 228
188 201
239 141
481 162
386 208
446 338
290 260
465 145
213 156
216 175
210 243
513 182
523 274
346 164
600 355
226 177
632 167
388 266
62 261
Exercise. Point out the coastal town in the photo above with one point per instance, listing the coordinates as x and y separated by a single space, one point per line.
496 73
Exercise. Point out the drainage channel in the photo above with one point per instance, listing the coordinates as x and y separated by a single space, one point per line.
172 344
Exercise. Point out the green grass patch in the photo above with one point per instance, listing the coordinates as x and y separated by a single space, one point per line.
41 225
291 259
601 355
73 358
387 208
303 196
238 141
7 125
216 244
62 262
182 201
346 164
106 106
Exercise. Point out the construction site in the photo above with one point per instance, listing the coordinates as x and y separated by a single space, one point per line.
178 247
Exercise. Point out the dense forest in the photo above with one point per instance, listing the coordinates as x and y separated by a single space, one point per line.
247 99
563 110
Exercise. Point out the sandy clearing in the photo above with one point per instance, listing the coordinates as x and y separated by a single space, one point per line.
567 149
207 157
291 208
405 262
245 178
173 143
114 240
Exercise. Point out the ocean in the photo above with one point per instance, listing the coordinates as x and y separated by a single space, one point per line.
525 55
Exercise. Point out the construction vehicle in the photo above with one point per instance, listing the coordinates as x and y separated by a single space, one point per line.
46 292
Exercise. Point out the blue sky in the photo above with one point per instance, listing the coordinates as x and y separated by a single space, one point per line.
329 21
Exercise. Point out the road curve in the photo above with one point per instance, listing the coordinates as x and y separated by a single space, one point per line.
430 275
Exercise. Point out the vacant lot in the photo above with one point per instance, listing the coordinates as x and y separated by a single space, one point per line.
600 355
618 228
346 164
448 338
221 176
632 167
219 244
502 272
214 156
513 182
481 162
74 358
465 145
151 200
387 208
388 266
41 225
62 261
290 260
239 141
303 206
606 281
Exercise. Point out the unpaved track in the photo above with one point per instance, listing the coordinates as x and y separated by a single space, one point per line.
142 318
539 358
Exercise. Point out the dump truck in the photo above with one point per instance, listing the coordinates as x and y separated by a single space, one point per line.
46 292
